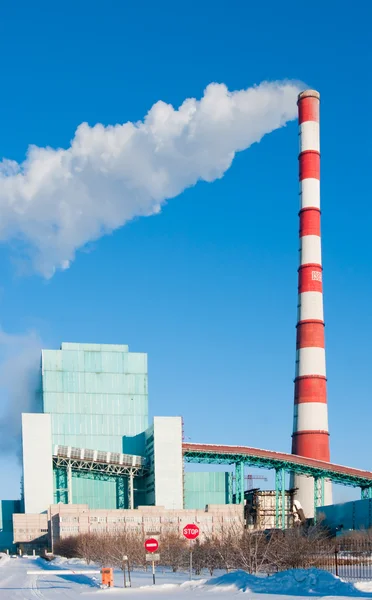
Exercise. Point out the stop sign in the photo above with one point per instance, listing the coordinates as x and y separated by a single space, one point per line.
191 531
151 545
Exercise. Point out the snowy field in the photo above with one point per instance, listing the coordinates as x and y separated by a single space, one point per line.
16 584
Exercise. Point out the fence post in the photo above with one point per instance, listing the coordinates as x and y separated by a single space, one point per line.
336 561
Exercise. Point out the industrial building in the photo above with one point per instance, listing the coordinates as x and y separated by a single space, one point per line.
260 509
89 445
347 517
65 520
91 439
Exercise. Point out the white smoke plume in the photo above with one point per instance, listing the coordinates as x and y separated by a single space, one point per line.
58 200
19 380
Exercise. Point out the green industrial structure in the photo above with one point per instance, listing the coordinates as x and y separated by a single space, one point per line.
203 488
7 509
97 398
282 463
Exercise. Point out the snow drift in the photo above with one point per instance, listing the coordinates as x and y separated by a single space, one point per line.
296 582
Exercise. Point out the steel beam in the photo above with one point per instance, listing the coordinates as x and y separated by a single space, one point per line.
318 494
69 484
130 491
239 483
196 456
230 491
280 498
61 486
366 493
120 492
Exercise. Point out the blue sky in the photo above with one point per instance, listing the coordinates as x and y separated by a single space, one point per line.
208 286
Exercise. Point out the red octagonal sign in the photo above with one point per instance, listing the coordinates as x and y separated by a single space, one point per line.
191 531
151 545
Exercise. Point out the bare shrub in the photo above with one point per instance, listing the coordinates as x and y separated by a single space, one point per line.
230 547
67 547
206 555
110 548
301 548
254 550
174 551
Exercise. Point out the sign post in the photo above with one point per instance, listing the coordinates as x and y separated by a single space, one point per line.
151 546
126 566
191 532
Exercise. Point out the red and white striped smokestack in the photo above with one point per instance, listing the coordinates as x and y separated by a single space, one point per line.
310 423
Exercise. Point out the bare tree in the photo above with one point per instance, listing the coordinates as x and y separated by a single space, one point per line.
252 550
173 550
301 548
88 545
230 546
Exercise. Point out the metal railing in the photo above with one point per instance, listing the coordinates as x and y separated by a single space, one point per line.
99 456
351 560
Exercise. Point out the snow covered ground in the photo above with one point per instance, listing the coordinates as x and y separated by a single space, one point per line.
15 584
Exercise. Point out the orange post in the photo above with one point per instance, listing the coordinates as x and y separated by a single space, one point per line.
107 577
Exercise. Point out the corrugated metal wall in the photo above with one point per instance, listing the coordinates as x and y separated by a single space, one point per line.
204 488
97 397
347 516
7 508
95 492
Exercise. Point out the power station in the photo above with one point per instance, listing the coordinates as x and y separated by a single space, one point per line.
92 461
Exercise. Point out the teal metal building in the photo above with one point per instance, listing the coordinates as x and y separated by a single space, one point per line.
347 516
97 398
7 508
202 488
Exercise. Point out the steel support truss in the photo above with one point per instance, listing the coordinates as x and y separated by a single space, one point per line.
326 473
97 467
103 470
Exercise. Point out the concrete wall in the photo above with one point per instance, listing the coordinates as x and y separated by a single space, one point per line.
37 462
32 531
73 519
168 462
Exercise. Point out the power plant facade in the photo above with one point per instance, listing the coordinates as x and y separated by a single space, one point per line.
92 443
96 396
310 422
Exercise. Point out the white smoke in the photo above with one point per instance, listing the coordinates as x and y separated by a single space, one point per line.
57 201
19 380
